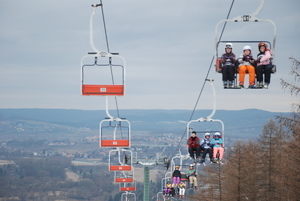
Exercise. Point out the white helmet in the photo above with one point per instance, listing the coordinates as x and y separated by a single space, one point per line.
247 47
229 45
207 134
218 134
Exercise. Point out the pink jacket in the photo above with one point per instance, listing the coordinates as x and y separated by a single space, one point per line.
265 58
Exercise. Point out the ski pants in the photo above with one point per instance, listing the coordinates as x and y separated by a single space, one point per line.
220 150
176 180
166 191
207 151
191 151
228 73
181 191
264 69
193 180
242 72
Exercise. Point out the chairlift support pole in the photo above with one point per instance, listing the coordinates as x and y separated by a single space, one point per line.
147 179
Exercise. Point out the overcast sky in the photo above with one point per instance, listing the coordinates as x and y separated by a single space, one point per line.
168 46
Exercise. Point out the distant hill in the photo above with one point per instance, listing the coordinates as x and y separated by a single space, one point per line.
241 123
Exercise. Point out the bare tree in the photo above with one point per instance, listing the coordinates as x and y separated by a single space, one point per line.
270 149
240 172
211 184
293 87
291 172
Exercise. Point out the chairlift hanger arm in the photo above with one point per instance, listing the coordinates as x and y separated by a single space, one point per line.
214 97
94 6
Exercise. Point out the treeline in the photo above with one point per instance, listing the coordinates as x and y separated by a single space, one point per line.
267 169
263 170
46 179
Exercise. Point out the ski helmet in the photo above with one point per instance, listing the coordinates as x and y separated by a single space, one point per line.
228 45
207 134
247 47
217 134
262 44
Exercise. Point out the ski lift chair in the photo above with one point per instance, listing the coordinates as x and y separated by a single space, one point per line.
116 162
114 132
100 76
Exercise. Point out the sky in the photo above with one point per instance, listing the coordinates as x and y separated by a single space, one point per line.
168 46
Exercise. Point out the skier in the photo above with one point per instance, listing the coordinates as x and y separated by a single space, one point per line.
246 64
228 66
217 143
264 65
181 189
206 146
194 145
192 174
176 176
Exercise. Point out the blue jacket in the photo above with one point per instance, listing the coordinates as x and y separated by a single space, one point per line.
217 142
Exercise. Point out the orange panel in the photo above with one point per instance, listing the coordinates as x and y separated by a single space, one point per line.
218 65
120 168
273 69
123 180
114 143
103 90
127 189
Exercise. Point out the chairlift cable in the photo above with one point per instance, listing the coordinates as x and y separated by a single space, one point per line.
103 19
212 60
107 46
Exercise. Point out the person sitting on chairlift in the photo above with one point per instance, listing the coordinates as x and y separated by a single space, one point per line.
217 143
264 65
246 64
181 189
176 176
206 146
192 174
194 145
228 66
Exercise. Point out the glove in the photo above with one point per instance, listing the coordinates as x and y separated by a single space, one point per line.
208 144
246 58
258 60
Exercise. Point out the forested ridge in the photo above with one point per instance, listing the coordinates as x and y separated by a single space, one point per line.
266 169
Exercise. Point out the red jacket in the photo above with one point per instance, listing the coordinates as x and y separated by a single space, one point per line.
193 142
